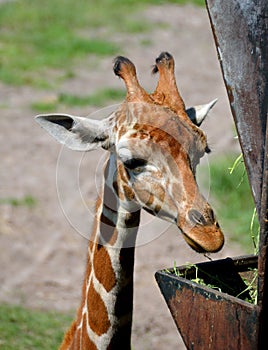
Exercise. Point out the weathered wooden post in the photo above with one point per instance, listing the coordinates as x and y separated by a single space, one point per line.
209 319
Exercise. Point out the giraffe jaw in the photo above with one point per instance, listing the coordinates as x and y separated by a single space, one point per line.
195 246
205 239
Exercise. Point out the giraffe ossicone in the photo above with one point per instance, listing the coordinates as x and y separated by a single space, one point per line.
155 145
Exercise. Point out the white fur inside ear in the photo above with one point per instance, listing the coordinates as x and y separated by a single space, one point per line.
76 133
197 114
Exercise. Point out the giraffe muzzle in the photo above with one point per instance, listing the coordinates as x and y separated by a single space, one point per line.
202 231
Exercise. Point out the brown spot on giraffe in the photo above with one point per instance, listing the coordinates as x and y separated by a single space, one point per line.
84 290
69 340
107 229
86 342
113 240
150 200
97 313
129 193
103 268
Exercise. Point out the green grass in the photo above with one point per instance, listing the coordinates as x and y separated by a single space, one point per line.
27 201
39 35
23 329
98 98
231 196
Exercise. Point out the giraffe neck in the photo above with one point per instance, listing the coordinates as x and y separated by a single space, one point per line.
104 318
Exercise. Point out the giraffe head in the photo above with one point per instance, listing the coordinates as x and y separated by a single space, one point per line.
155 146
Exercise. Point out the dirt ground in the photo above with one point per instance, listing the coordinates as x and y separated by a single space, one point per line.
43 248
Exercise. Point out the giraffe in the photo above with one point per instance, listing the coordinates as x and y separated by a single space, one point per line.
154 146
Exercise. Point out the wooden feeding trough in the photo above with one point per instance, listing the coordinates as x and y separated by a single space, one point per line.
223 319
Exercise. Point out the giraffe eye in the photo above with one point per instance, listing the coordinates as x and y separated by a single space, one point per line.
135 164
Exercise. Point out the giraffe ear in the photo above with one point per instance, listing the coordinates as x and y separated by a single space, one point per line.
198 114
76 133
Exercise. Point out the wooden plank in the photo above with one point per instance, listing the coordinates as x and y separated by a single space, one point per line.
240 30
263 258
207 318
240 33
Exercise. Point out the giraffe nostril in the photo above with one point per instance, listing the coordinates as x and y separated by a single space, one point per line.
211 215
196 217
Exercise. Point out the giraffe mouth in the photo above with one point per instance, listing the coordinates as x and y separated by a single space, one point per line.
194 245
207 240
